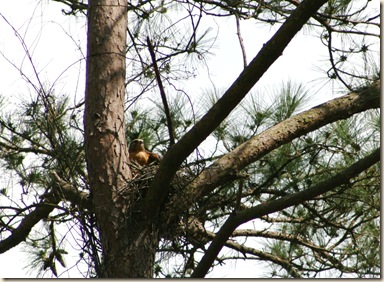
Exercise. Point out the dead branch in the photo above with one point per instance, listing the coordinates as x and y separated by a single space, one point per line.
162 93
239 89
284 202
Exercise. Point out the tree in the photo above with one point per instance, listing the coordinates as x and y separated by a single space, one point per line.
308 179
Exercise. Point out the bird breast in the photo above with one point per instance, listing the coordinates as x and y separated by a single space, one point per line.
140 157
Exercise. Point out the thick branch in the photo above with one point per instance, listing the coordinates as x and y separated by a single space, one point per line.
73 195
271 51
20 233
226 168
51 199
277 205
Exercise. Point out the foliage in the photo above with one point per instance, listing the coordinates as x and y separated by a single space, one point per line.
335 234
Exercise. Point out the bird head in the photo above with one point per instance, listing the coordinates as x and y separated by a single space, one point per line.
136 145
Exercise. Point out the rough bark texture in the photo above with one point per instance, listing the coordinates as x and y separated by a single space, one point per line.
128 247
236 219
227 168
271 51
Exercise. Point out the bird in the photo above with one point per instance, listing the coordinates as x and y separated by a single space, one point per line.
139 154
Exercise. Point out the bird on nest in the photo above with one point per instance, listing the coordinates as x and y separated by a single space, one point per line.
140 155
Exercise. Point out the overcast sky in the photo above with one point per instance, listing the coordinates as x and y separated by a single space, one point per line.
56 42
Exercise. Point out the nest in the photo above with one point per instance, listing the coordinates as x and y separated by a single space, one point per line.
134 192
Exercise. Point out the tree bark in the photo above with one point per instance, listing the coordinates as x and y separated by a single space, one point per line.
22 231
128 246
270 52
228 167
236 219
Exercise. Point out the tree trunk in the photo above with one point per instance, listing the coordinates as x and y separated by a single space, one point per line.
128 245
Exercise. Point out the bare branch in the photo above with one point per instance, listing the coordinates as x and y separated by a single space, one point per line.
20 233
162 93
269 207
228 167
196 228
241 40
247 79
42 210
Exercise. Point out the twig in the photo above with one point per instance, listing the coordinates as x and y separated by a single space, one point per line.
239 195
331 59
241 40
22 231
162 93
266 208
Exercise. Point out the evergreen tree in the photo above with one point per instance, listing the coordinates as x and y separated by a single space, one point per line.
295 188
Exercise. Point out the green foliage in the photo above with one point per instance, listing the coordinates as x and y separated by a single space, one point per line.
149 122
43 251
37 139
333 235
289 101
321 233
42 128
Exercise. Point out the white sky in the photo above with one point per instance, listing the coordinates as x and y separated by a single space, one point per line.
44 29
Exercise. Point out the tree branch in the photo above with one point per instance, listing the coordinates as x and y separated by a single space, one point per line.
241 42
273 206
196 228
162 94
284 263
226 168
270 52
20 233
73 195
64 192
75 6
296 239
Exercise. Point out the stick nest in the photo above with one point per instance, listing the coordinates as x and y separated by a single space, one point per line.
137 187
